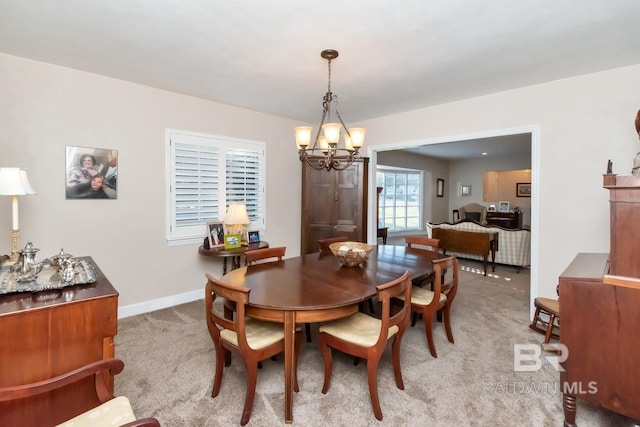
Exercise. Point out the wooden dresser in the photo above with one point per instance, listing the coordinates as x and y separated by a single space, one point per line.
45 334
600 321
511 220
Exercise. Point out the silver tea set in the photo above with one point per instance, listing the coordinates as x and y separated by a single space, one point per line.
27 268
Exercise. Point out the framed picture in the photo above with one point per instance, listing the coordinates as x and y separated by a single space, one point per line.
523 189
503 207
465 190
215 232
232 241
254 236
91 173
440 187
491 208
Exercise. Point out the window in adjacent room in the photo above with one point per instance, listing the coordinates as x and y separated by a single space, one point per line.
400 206
205 173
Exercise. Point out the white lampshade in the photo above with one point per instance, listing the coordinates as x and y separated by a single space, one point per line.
303 136
332 132
237 214
357 137
14 182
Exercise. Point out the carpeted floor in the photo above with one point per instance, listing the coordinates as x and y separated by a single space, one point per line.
169 367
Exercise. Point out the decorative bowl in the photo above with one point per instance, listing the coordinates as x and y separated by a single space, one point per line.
351 254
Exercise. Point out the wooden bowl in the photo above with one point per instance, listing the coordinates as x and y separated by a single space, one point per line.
351 254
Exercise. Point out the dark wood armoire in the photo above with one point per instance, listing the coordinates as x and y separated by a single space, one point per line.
600 313
334 203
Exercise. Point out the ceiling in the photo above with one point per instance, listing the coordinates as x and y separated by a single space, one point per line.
265 55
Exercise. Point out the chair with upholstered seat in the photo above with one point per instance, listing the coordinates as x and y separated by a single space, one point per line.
108 410
366 337
255 255
546 319
323 244
429 302
474 211
253 340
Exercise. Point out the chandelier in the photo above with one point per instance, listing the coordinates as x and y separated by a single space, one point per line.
325 152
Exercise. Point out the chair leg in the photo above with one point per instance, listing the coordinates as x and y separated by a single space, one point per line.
328 362
307 329
395 355
447 323
220 362
427 330
372 375
252 377
296 356
547 335
414 318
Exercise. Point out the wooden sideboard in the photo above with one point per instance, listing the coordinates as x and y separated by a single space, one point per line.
600 318
45 334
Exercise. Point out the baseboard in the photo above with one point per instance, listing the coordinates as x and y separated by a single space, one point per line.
158 304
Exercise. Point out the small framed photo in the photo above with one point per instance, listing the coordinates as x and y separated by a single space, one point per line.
232 241
254 236
491 208
215 233
440 187
523 189
503 207
465 190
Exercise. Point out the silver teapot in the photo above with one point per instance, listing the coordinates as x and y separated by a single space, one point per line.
65 265
28 267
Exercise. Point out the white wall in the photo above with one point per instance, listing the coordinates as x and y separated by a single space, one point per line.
44 107
583 122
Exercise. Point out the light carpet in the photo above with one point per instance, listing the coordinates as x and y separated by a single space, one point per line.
169 367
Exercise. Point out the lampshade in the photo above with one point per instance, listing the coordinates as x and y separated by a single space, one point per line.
14 182
237 214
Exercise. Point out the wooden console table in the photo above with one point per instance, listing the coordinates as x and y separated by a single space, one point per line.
468 242
44 334
233 254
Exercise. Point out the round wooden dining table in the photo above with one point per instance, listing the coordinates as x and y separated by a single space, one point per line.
317 288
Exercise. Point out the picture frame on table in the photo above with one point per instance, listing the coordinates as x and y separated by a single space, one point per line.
440 187
232 241
523 189
254 236
503 207
215 234
491 207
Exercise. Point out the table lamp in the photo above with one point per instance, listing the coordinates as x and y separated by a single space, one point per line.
236 219
14 183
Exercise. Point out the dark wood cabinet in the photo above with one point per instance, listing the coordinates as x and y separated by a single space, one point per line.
511 220
334 203
599 319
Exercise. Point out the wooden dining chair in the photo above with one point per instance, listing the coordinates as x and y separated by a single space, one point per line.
429 302
264 254
366 337
323 244
253 340
106 410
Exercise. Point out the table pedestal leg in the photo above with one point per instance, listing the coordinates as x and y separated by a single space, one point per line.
289 346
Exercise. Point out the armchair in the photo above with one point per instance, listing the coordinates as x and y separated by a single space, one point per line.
109 410
474 211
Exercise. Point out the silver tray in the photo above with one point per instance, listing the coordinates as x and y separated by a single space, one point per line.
47 279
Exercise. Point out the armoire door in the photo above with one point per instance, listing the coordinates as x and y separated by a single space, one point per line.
334 204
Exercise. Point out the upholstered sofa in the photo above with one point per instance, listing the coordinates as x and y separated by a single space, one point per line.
514 246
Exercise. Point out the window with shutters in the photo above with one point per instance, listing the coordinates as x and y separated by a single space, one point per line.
205 174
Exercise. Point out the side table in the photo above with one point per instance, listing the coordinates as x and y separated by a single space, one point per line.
382 232
235 254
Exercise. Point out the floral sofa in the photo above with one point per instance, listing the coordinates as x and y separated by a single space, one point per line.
514 246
